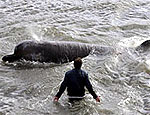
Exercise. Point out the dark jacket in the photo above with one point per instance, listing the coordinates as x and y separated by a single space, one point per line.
75 81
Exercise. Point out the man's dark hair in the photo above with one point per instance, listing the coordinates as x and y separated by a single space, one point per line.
78 63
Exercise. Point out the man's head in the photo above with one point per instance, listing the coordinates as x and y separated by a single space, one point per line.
78 63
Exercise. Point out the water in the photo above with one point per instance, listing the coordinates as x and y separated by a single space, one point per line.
122 79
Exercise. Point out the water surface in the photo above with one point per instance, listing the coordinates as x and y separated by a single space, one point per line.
121 79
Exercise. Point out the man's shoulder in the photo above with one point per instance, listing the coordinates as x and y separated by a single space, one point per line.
84 72
73 70
69 72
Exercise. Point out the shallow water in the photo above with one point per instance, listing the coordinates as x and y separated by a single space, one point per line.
121 79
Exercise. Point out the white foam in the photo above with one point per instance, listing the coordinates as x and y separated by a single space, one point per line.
132 41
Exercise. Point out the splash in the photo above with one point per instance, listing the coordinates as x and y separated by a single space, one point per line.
35 32
132 42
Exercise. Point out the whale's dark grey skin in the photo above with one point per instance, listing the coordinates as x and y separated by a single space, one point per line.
57 52
144 46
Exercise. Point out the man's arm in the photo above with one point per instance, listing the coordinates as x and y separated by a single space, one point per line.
61 89
90 88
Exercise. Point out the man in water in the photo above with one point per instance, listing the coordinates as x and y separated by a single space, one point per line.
75 80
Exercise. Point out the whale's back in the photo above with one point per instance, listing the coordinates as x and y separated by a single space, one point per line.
57 52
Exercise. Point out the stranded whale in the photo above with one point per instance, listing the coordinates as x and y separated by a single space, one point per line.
143 47
57 52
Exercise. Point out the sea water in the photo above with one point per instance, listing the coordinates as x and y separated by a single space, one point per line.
121 80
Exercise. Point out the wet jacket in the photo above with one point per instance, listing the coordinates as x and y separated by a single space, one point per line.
75 81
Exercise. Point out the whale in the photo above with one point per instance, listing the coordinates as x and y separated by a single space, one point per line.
143 47
54 51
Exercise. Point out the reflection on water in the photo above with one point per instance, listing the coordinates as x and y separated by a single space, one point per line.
121 79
